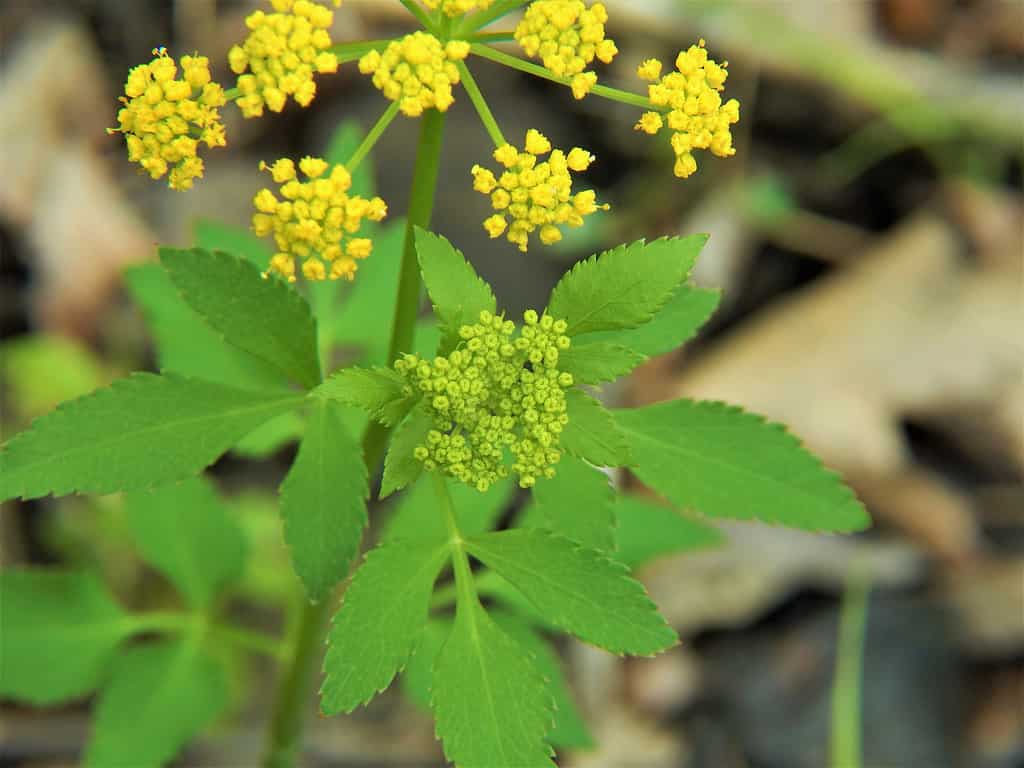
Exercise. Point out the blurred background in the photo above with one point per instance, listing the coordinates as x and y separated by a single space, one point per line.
868 240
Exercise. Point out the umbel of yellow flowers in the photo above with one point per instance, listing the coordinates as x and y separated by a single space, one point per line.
532 194
281 53
696 115
314 220
417 71
164 118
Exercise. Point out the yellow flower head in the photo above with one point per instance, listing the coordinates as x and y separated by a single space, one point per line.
281 53
164 118
496 391
567 36
691 106
314 220
458 7
531 195
417 71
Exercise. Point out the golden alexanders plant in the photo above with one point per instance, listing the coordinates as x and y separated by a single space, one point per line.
460 409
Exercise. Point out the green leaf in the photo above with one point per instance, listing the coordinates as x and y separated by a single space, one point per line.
417 515
140 432
723 462
381 392
591 433
185 344
577 503
569 731
379 622
598 361
675 324
346 139
647 530
262 316
159 697
400 466
581 590
216 236
624 287
186 533
490 702
456 291
418 677
60 631
428 337
264 441
323 501
41 370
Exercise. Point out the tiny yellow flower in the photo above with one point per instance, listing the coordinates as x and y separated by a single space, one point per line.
282 52
417 71
314 219
691 107
164 119
531 195
567 36
458 7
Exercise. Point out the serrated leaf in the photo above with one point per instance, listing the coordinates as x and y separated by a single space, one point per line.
59 632
599 361
569 730
381 392
724 462
647 530
159 697
490 702
185 344
456 291
417 516
624 287
674 324
400 466
262 316
216 236
323 501
187 533
139 432
579 589
418 677
270 437
379 622
591 433
577 503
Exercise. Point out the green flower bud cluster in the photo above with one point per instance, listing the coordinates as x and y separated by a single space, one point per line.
497 390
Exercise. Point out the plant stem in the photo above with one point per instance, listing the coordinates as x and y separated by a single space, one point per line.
371 138
421 15
604 91
491 15
347 52
464 584
486 117
290 705
846 688
492 37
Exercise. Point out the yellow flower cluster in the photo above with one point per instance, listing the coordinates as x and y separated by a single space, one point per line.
314 220
282 52
164 119
495 391
416 71
696 115
458 7
567 36
535 194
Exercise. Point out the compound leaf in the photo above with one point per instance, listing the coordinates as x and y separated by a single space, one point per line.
159 697
60 631
323 501
579 589
381 392
262 316
491 704
379 622
599 361
142 431
418 677
188 534
624 287
577 503
647 530
723 462
591 433
400 466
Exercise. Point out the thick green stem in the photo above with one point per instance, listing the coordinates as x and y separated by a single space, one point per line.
846 688
291 702
465 585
